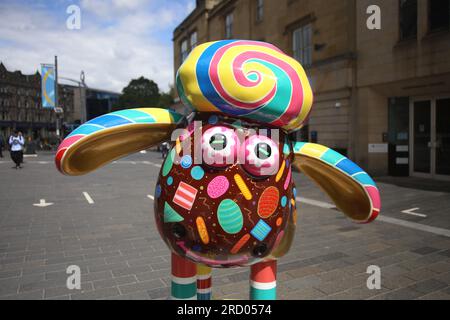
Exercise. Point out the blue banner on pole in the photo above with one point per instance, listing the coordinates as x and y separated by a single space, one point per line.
48 85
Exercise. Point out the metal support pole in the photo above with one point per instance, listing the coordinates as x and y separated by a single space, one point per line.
58 133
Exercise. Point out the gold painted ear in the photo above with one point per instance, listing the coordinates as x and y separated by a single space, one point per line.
350 188
112 136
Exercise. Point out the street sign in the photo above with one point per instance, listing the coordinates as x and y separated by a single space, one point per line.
58 110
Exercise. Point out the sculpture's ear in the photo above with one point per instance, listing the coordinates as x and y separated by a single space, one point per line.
350 188
114 135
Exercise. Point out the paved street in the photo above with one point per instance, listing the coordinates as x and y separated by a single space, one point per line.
103 222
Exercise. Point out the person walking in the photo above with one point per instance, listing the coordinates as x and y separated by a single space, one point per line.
22 149
16 143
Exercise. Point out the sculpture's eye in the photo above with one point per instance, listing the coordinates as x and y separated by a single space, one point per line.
263 150
220 145
218 141
261 156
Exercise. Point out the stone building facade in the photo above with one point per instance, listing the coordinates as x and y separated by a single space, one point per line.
21 106
371 86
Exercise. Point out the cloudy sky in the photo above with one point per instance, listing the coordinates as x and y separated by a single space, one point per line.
118 39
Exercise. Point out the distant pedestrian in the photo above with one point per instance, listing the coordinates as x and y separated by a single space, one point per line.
23 147
16 143
2 145
164 149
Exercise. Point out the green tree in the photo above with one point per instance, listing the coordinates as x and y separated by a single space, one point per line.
165 100
139 93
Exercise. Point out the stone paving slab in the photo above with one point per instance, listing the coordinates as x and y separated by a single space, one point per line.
115 243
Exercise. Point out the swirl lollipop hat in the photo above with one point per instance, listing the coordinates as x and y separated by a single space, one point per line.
250 79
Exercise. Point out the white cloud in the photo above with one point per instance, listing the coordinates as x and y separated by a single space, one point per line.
110 51
108 8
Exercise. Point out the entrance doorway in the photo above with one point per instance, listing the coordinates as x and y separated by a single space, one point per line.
430 137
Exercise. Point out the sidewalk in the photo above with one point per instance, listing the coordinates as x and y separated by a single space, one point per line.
115 242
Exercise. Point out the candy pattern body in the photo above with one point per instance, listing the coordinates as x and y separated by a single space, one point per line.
225 195
228 216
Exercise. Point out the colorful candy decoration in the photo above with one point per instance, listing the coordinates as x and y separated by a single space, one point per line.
288 179
186 161
280 171
283 201
230 216
242 241
202 230
168 163
185 195
260 230
217 187
158 191
279 221
170 215
236 207
197 173
242 187
246 78
268 202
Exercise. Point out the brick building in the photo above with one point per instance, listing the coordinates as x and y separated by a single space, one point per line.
380 95
21 106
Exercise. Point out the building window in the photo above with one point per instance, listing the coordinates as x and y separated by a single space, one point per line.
229 26
302 45
439 15
259 10
408 19
184 50
193 39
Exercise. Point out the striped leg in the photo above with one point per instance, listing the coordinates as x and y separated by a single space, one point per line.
204 283
184 280
263 280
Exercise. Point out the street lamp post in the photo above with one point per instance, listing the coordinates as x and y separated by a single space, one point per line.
82 87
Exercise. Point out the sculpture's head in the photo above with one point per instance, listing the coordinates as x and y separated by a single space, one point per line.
229 199
225 195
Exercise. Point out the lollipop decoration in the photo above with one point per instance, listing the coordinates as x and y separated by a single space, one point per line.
236 207
246 78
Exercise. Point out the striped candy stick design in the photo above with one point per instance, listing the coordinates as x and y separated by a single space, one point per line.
204 282
184 279
263 280
346 166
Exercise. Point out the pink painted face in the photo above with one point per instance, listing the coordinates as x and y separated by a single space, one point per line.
230 200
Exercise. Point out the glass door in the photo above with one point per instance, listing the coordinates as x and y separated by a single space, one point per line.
422 136
442 142
430 143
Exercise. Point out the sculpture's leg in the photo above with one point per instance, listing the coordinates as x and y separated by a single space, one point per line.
263 280
184 279
204 286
